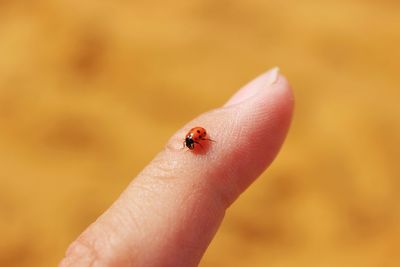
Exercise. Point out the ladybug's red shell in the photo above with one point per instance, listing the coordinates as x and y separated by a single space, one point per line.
197 133
195 136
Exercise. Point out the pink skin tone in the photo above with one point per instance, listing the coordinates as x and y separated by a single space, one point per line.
170 212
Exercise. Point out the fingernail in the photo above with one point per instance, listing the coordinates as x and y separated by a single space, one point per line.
260 83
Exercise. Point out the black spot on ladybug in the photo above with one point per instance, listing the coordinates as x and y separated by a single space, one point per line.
198 131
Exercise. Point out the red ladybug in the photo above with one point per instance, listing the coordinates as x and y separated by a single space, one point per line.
195 136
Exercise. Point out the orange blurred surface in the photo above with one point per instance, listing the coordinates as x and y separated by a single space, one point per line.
91 90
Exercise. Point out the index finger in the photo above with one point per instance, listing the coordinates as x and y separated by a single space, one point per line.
169 213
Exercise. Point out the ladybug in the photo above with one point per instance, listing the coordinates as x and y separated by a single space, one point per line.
195 136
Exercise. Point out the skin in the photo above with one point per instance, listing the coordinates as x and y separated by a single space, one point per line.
169 213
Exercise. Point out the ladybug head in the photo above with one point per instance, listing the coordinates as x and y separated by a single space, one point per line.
189 143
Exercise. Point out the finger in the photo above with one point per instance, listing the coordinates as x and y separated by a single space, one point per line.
169 213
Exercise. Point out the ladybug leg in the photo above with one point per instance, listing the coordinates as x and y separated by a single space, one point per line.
208 139
199 144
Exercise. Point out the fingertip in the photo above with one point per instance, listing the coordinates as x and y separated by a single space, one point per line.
253 132
248 135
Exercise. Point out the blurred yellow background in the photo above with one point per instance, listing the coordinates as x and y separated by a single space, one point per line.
91 90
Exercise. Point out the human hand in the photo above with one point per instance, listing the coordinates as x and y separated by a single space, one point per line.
170 212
